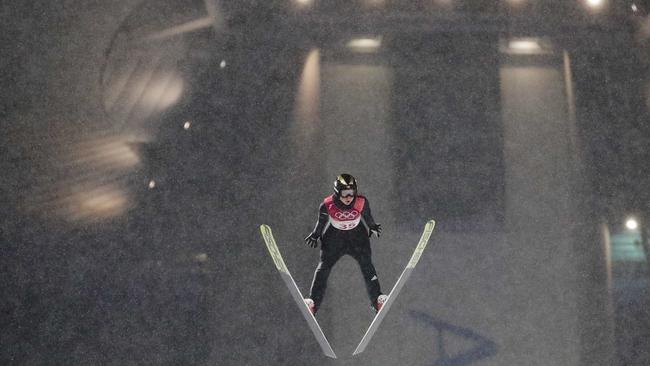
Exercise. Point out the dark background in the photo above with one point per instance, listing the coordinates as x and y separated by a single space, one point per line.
98 267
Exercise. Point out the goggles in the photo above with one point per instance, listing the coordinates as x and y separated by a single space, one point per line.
348 193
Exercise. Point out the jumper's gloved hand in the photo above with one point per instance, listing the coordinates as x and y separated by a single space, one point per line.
312 240
376 229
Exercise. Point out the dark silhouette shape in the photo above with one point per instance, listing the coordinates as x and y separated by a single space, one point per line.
484 347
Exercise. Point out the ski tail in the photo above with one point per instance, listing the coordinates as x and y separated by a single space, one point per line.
406 273
272 247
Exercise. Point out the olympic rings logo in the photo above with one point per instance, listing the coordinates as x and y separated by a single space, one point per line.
346 215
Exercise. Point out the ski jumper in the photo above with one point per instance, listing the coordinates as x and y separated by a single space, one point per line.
344 230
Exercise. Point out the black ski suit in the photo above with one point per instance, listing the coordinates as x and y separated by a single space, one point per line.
336 243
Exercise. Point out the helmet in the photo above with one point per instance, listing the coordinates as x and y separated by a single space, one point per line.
345 182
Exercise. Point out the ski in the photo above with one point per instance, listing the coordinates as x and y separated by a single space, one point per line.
428 229
267 234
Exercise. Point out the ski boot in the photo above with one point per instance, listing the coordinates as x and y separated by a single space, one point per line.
310 304
381 300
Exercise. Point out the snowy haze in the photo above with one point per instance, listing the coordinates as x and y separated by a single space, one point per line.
144 144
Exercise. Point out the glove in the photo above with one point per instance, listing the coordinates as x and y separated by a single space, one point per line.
376 229
312 240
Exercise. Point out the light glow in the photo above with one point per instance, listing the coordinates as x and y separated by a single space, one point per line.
187 125
172 94
98 203
524 45
365 44
308 97
631 224
222 64
191 26
163 92
595 3
115 152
